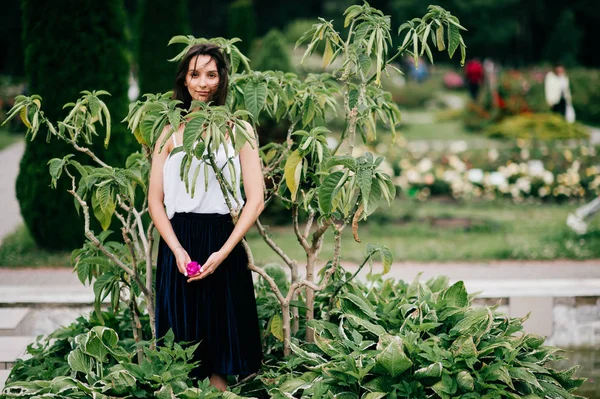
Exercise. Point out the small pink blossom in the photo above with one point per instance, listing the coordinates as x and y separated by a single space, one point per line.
193 268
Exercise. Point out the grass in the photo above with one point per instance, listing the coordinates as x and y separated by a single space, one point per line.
18 249
7 138
421 232
499 230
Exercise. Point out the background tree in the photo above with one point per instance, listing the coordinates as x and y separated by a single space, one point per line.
564 41
241 23
59 65
158 22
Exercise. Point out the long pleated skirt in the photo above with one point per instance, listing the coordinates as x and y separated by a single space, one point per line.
218 311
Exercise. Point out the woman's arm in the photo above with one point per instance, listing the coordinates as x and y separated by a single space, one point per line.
156 205
255 203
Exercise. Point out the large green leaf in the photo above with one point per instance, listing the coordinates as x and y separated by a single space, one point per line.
79 361
465 381
433 370
456 295
392 357
363 305
453 39
103 214
365 181
255 97
328 191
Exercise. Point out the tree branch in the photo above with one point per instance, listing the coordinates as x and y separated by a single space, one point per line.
300 236
262 231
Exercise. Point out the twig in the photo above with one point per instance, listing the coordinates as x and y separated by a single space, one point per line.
262 231
300 236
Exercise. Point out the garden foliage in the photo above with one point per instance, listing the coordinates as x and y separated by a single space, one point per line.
59 65
328 322
158 22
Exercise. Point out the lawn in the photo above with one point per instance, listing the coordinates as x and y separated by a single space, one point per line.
414 231
438 231
7 138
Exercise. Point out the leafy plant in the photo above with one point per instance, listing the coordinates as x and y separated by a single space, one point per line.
389 339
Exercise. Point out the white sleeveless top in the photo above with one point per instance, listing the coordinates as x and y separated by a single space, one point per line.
177 199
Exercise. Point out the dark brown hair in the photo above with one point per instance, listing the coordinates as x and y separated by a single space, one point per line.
180 91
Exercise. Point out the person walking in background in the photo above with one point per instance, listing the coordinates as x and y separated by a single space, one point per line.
558 92
474 75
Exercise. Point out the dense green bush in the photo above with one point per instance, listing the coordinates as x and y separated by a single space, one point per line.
158 22
271 53
418 340
585 89
241 23
69 48
543 127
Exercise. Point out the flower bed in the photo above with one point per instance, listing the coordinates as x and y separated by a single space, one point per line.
519 173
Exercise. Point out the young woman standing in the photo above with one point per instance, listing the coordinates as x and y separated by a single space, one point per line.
216 306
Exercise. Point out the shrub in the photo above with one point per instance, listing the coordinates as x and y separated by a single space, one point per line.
241 23
585 89
418 340
156 74
272 54
542 127
59 64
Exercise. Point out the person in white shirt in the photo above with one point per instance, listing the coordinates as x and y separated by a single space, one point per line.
213 305
557 90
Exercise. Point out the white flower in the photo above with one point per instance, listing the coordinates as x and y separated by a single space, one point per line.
475 175
543 191
523 184
458 146
493 154
497 179
413 176
535 167
524 153
451 176
424 165
456 163
404 164
548 177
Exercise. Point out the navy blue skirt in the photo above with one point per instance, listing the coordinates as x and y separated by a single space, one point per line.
218 311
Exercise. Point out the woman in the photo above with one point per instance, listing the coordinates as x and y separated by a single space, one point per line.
557 90
215 306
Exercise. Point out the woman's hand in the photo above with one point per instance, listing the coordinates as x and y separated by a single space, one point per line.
211 264
182 258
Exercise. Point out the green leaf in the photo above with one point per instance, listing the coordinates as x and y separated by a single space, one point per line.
456 295
328 191
80 362
377 330
433 370
374 395
465 381
346 160
277 327
365 181
103 213
255 97
392 356
453 39
292 172
308 111
364 306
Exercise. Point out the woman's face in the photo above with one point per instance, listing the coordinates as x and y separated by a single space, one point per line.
202 78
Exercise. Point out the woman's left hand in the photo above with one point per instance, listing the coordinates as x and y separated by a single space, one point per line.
211 264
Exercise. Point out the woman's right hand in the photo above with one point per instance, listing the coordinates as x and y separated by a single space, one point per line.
182 258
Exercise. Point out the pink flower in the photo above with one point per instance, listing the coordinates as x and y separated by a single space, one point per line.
193 268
